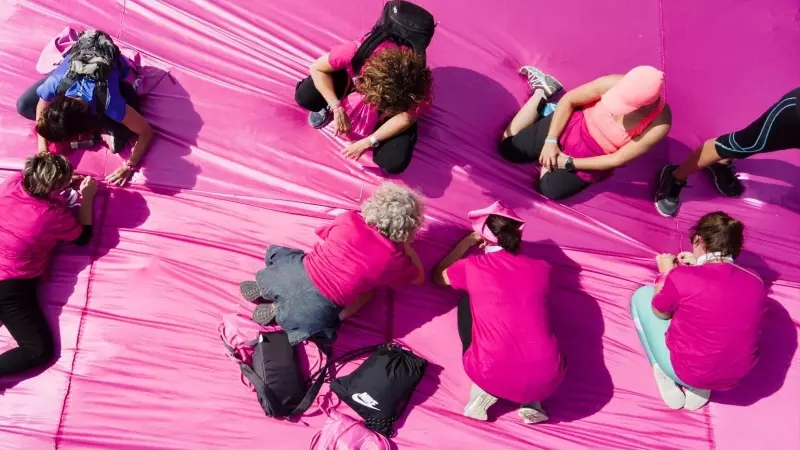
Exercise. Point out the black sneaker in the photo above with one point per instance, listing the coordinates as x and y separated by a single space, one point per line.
669 189
318 119
725 179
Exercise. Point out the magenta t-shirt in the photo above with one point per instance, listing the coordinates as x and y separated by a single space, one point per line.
354 258
717 311
513 354
30 228
364 118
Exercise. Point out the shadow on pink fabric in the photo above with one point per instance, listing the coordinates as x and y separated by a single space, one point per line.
235 167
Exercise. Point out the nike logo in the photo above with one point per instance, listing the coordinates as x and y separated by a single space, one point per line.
365 399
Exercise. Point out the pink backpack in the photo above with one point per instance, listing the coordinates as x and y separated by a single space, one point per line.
342 432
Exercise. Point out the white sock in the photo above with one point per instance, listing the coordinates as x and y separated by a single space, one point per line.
532 413
479 403
671 393
696 398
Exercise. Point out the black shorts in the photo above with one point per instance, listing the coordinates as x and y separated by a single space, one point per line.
777 129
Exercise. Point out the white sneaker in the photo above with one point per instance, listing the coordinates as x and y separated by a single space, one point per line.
479 403
696 398
540 80
533 413
670 391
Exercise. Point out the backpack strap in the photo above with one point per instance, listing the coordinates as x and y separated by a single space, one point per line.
66 82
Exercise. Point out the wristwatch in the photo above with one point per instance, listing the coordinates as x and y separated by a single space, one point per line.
570 165
373 142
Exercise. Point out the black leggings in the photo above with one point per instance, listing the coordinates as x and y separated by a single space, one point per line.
21 314
464 323
393 155
26 107
526 146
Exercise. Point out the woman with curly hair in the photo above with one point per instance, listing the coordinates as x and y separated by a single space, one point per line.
309 294
377 108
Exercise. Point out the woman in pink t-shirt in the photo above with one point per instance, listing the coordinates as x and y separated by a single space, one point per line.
375 106
509 350
36 217
700 324
595 128
308 294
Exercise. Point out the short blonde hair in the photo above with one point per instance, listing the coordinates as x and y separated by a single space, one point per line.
44 173
395 211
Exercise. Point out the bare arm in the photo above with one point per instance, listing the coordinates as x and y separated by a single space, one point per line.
321 71
458 252
389 129
417 263
353 308
637 147
42 142
136 123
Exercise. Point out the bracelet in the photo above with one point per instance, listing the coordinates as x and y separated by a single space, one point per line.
334 105
551 140
129 165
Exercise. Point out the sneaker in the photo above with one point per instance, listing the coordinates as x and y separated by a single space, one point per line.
533 413
669 189
696 398
264 313
671 393
540 80
725 179
479 403
250 291
318 119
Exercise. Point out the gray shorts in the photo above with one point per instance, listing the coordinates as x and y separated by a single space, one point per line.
303 312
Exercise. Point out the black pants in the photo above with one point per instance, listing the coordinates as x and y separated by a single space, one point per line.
21 313
464 314
526 146
777 129
26 107
393 155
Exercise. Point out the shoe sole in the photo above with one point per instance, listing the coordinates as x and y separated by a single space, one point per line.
251 294
484 403
264 318
655 197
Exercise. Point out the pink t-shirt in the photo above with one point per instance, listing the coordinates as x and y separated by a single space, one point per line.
513 354
30 228
364 118
717 314
354 258
576 141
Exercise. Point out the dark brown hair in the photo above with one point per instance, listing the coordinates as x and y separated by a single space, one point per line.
64 118
45 173
507 232
720 232
394 80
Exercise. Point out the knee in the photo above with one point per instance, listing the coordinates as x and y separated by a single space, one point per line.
551 190
395 167
643 297
42 353
26 107
508 151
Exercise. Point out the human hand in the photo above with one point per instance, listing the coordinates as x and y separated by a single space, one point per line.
666 262
341 123
120 176
476 239
687 258
355 150
548 158
88 187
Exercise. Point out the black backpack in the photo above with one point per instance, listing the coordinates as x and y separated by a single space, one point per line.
94 56
402 22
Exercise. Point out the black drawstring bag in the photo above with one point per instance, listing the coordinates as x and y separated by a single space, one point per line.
380 388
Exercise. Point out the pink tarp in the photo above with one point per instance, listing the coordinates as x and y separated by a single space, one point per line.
235 167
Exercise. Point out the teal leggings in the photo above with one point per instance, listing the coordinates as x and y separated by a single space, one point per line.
652 330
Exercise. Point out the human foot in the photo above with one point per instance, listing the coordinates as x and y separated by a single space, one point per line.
696 398
726 180
264 313
318 119
540 80
250 291
479 403
667 199
532 413
671 393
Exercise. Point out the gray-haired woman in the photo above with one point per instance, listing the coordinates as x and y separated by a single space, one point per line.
309 294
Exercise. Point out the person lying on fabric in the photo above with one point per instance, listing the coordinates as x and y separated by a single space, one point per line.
35 219
509 351
777 129
376 109
308 294
700 324
595 128
66 111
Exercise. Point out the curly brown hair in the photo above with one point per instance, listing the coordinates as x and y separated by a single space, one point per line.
394 80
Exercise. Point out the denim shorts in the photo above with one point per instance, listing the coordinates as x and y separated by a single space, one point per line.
302 311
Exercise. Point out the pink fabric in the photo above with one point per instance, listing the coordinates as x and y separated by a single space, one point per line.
355 258
479 216
234 166
718 311
513 354
342 432
53 52
576 141
364 118
30 228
